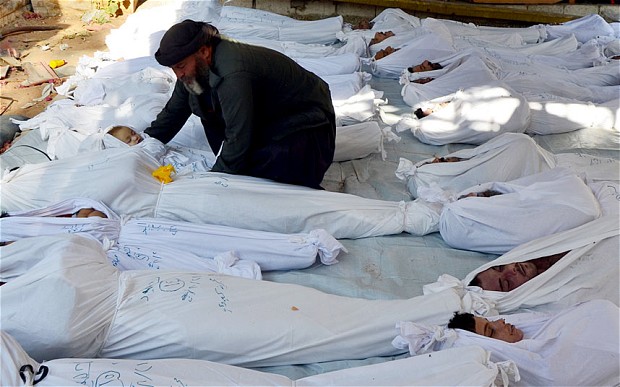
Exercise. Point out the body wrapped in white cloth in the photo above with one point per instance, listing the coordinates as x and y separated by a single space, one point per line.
87 308
473 116
448 367
578 346
469 69
526 209
506 157
150 243
121 178
589 270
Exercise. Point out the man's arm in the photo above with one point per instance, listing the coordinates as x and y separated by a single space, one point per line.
172 117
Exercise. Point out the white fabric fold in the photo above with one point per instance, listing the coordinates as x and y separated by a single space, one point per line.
571 280
466 365
422 217
229 263
243 322
328 246
472 116
358 140
575 346
504 158
560 199
149 243
508 371
421 338
45 221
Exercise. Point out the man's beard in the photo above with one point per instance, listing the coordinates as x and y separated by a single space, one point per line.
194 84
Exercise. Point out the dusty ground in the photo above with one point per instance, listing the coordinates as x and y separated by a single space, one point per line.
43 46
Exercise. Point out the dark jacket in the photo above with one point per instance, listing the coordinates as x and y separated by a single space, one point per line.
255 96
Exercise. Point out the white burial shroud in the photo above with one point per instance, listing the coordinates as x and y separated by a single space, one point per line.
51 220
528 208
125 257
87 308
423 47
465 365
150 243
468 71
239 22
579 346
506 157
258 204
589 271
584 28
122 179
551 115
472 116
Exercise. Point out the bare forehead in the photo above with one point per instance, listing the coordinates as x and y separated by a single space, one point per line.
122 130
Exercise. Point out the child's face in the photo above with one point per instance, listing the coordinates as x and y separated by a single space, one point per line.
127 135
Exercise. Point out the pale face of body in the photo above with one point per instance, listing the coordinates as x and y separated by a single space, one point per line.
498 329
126 135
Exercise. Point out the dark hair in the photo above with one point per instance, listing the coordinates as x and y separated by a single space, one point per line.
488 193
484 194
419 113
463 321
434 66
475 282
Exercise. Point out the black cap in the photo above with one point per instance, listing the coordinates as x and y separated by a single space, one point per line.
180 41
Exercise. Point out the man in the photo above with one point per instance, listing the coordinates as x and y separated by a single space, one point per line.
504 278
265 114
516 153
427 65
472 223
577 346
548 273
496 329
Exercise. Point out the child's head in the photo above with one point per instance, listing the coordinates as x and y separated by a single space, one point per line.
125 134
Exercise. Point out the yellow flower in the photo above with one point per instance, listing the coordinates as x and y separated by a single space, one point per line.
163 173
